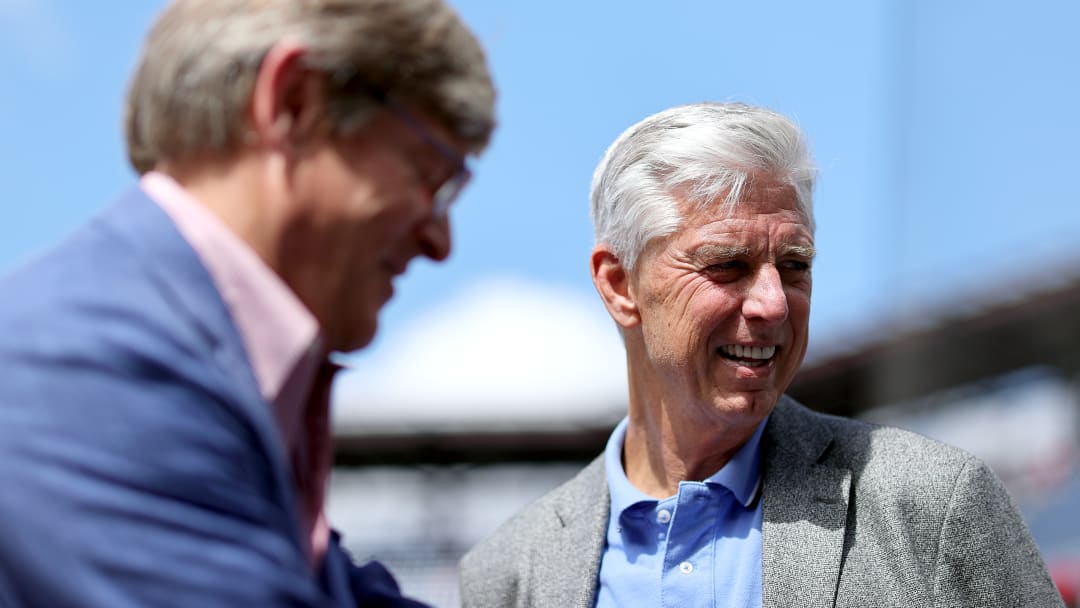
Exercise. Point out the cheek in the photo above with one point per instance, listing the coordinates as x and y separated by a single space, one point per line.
383 214
395 228
400 203
691 315
712 307
358 189
799 308
688 298
799 320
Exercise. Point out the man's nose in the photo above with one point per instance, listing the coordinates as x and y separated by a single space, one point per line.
765 296
433 236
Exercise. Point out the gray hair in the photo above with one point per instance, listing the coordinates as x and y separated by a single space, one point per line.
697 154
193 84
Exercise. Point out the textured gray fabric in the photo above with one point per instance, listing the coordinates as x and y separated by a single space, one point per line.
853 515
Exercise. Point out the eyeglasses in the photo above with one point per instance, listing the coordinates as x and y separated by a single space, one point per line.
448 192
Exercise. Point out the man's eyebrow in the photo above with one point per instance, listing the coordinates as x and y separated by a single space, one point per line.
720 251
802 251
734 251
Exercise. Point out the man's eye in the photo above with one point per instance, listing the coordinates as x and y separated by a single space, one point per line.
728 267
795 265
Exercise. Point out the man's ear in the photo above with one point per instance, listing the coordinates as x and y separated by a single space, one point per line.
287 99
612 282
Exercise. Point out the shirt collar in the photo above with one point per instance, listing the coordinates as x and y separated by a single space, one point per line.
741 475
623 493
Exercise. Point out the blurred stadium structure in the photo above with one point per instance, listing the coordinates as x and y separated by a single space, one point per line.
995 373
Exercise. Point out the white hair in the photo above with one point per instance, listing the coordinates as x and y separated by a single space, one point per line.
698 154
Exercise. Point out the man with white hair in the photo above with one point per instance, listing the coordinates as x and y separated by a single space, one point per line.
164 423
717 489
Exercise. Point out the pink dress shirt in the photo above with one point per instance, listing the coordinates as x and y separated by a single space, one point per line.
280 336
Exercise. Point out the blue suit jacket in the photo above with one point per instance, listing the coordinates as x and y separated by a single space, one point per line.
139 465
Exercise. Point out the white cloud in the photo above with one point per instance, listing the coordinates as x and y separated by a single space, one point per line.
500 353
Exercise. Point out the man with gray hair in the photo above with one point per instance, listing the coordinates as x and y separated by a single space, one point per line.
717 489
164 423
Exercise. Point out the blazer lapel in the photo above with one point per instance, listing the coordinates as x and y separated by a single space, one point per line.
176 270
567 563
804 512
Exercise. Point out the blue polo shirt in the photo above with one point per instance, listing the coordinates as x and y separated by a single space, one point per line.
701 547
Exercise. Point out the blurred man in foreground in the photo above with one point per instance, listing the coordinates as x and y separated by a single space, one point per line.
164 436
717 489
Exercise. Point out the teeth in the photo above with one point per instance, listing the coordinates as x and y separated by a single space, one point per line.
748 352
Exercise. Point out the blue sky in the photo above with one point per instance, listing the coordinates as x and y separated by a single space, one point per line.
945 133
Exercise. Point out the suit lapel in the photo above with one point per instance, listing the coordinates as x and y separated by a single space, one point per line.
176 270
804 511
567 563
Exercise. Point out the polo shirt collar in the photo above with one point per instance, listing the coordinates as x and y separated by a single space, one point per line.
741 475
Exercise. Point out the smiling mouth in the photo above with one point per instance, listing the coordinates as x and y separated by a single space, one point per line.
750 356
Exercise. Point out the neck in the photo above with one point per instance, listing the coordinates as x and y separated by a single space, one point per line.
658 452
672 438
236 191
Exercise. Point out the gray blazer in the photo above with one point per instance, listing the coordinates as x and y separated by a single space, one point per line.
853 515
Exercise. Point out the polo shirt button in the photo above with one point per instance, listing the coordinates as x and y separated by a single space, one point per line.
686 567
664 516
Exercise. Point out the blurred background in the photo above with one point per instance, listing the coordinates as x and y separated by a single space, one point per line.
947 288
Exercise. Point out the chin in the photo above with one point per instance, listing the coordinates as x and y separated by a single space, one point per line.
355 339
757 404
